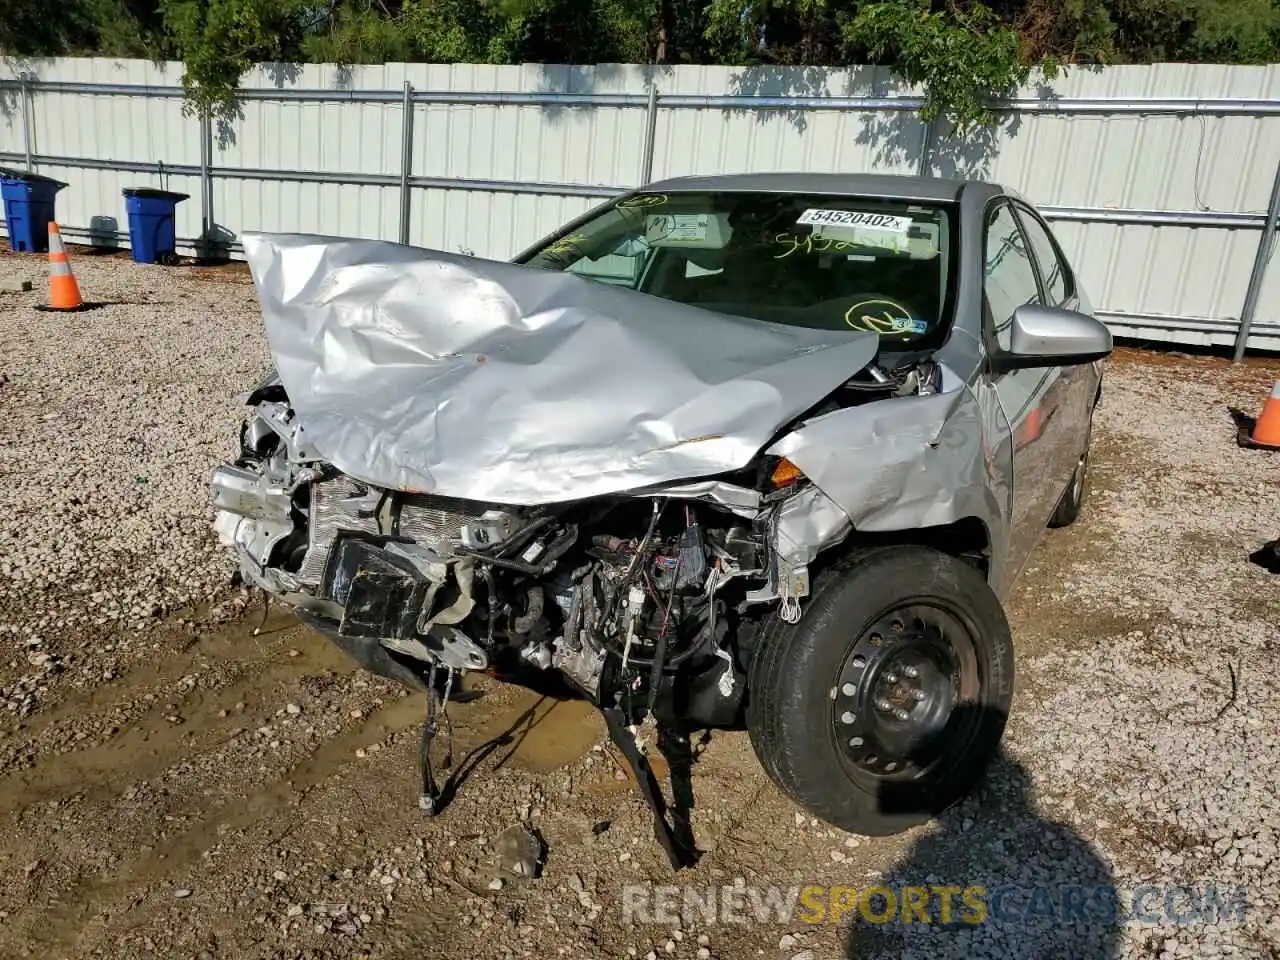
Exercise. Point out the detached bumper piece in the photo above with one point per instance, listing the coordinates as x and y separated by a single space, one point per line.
672 826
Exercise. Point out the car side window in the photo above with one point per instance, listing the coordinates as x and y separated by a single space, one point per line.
1009 278
1054 273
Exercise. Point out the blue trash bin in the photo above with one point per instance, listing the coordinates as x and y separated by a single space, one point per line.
152 233
28 209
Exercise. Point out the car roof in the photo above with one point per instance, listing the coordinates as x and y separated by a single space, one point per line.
936 189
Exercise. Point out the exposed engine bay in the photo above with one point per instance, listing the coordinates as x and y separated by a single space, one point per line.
661 578
646 603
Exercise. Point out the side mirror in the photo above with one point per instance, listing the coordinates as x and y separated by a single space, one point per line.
1042 336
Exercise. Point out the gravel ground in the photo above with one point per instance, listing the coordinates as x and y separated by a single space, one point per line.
172 785
113 419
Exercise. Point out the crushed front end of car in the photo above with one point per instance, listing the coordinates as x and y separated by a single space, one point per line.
458 465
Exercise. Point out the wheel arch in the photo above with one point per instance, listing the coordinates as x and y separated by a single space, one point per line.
967 539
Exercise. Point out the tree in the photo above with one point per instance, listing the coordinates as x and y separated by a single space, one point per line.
219 40
362 32
962 53
962 57
778 31
106 28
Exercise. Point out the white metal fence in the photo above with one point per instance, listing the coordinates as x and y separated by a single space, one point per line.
1162 181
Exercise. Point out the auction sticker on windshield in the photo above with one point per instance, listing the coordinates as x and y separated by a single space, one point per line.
687 227
856 218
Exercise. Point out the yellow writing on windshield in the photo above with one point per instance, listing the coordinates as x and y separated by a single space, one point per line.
819 243
565 246
881 316
808 243
642 201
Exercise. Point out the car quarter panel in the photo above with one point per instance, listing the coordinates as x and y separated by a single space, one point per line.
911 463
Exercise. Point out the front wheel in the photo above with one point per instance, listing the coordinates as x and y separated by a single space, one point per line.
885 704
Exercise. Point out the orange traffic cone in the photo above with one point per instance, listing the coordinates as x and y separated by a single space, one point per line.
1266 432
64 291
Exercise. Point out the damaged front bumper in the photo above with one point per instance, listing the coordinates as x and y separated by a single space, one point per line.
359 564
371 567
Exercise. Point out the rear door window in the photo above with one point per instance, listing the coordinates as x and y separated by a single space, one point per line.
1054 273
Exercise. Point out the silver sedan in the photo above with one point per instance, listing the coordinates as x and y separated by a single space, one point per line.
759 450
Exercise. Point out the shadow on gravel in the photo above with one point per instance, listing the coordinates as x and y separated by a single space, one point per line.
516 732
1267 556
1020 886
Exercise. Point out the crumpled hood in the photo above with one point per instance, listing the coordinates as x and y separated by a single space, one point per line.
419 370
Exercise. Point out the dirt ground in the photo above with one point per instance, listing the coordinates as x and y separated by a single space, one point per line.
206 790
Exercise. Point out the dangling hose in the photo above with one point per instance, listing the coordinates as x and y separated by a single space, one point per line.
430 796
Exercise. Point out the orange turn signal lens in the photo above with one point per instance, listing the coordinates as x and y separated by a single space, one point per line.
785 472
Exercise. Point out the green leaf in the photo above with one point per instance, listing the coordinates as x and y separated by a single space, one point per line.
964 58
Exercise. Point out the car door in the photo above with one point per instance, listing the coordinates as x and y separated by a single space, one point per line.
1030 398
1076 384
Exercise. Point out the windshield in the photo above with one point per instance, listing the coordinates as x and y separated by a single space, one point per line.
818 261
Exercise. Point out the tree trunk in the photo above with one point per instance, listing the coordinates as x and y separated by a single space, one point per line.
661 51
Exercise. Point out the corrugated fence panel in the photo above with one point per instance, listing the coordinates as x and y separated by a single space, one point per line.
739 140
551 143
485 175
1152 162
1141 269
334 138
350 210
10 120
124 128
1268 313
492 225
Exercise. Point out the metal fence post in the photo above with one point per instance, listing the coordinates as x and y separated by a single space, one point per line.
206 182
926 147
1259 273
650 133
406 162
27 108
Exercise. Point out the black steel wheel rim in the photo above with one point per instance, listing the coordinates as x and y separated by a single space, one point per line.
907 692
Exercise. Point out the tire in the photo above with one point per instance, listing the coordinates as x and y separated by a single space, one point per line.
799 704
1068 509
